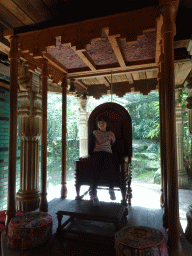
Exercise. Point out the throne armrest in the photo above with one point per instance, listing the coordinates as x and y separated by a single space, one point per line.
126 166
127 159
82 164
82 158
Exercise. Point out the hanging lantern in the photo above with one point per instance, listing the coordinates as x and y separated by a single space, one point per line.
84 96
72 89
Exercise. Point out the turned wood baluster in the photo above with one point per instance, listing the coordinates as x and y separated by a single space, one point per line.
64 130
59 218
13 56
43 201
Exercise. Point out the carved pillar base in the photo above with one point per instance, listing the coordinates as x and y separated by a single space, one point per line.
43 203
188 231
27 200
63 191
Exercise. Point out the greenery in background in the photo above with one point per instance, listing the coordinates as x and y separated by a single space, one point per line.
187 137
144 112
54 137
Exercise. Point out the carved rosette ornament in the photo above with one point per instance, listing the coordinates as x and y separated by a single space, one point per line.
29 112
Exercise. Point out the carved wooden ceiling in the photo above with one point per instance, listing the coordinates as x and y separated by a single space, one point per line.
126 59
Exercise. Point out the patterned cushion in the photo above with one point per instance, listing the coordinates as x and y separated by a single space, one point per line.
3 216
1 229
29 229
140 240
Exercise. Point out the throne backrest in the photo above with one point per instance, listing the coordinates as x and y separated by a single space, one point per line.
120 124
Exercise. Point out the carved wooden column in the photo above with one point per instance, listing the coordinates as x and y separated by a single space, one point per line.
29 112
83 129
64 149
163 138
183 181
43 201
13 56
168 32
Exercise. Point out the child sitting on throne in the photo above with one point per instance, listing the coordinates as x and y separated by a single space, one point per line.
102 161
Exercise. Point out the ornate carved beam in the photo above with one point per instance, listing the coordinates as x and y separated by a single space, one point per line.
80 84
4 44
116 71
103 80
115 46
87 60
129 78
55 63
182 69
81 34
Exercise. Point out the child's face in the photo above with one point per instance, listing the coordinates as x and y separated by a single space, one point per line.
102 125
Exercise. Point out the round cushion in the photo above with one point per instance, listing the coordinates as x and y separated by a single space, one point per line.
3 216
140 241
1 228
29 229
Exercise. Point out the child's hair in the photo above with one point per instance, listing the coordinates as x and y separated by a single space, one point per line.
104 118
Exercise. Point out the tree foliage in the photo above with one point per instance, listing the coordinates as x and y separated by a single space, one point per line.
54 133
187 138
144 111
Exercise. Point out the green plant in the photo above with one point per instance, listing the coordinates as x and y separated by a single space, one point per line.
157 177
187 148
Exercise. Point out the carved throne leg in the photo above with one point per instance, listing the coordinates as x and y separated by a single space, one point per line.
123 201
123 192
123 188
77 186
129 191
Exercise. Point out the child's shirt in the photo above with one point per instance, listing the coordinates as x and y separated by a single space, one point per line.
104 140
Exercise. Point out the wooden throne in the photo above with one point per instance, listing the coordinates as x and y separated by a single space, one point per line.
120 124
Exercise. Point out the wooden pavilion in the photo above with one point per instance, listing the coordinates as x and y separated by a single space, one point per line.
135 47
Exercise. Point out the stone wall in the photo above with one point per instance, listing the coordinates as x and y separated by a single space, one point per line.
4 143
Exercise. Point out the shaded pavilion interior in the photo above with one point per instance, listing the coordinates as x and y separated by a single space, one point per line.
135 54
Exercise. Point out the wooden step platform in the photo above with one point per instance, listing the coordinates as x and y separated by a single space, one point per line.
85 220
